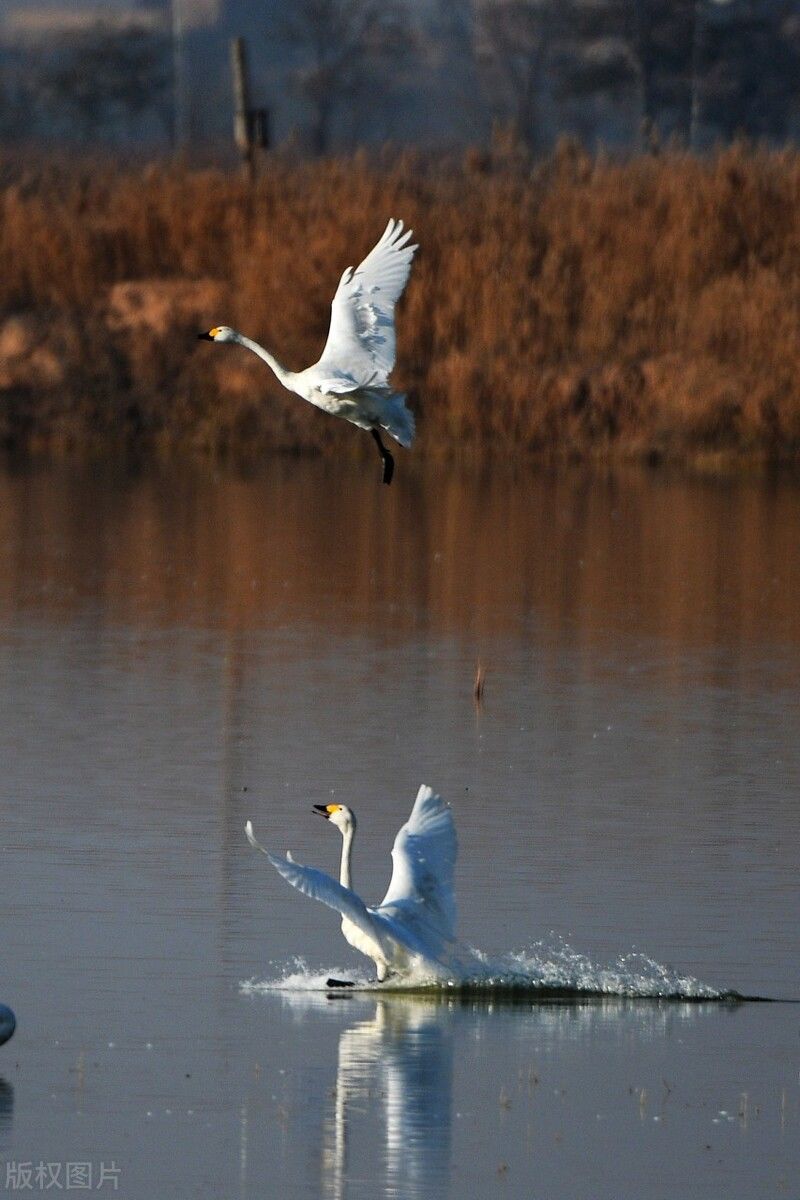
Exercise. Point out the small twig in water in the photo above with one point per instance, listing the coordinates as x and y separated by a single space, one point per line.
478 686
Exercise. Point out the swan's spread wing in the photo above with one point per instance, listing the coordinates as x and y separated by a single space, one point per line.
424 858
319 886
323 887
361 340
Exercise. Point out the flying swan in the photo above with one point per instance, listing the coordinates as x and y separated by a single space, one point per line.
351 379
412 930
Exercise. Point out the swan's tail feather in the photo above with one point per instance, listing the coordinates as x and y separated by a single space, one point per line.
395 416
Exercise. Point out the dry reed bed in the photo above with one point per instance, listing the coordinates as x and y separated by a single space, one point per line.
577 307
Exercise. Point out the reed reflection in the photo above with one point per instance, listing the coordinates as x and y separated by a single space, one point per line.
688 560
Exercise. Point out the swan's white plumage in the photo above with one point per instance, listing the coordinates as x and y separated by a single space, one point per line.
361 339
351 378
414 925
424 858
319 886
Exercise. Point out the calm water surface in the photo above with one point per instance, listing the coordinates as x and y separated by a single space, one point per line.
179 652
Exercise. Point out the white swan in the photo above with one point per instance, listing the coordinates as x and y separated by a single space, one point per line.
413 928
351 379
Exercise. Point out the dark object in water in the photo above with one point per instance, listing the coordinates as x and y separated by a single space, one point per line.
479 684
338 983
8 1023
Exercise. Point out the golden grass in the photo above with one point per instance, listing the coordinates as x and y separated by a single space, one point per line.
576 307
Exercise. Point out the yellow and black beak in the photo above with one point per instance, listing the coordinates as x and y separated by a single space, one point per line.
325 810
207 337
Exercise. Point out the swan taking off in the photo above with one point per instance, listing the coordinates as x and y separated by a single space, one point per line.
351 379
413 927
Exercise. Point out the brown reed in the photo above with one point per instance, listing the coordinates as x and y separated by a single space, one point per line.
576 307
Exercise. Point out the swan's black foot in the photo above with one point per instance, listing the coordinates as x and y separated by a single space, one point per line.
386 457
338 983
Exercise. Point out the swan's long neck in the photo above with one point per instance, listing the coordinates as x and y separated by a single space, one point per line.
345 876
282 374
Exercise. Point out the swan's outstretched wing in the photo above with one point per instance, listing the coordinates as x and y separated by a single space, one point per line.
361 340
424 858
318 886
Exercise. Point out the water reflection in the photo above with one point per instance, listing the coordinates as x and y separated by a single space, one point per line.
6 1111
395 1084
689 560
402 1055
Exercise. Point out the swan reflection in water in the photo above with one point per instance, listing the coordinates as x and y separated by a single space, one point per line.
6 1111
390 1112
400 1059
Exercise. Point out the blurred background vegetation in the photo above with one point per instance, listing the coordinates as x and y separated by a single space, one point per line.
605 193
338 73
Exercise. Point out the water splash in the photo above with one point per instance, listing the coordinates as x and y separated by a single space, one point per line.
547 969
556 966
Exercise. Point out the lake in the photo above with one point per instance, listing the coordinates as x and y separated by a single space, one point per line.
181 650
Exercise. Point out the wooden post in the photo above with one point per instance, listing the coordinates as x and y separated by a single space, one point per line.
241 107
178 79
